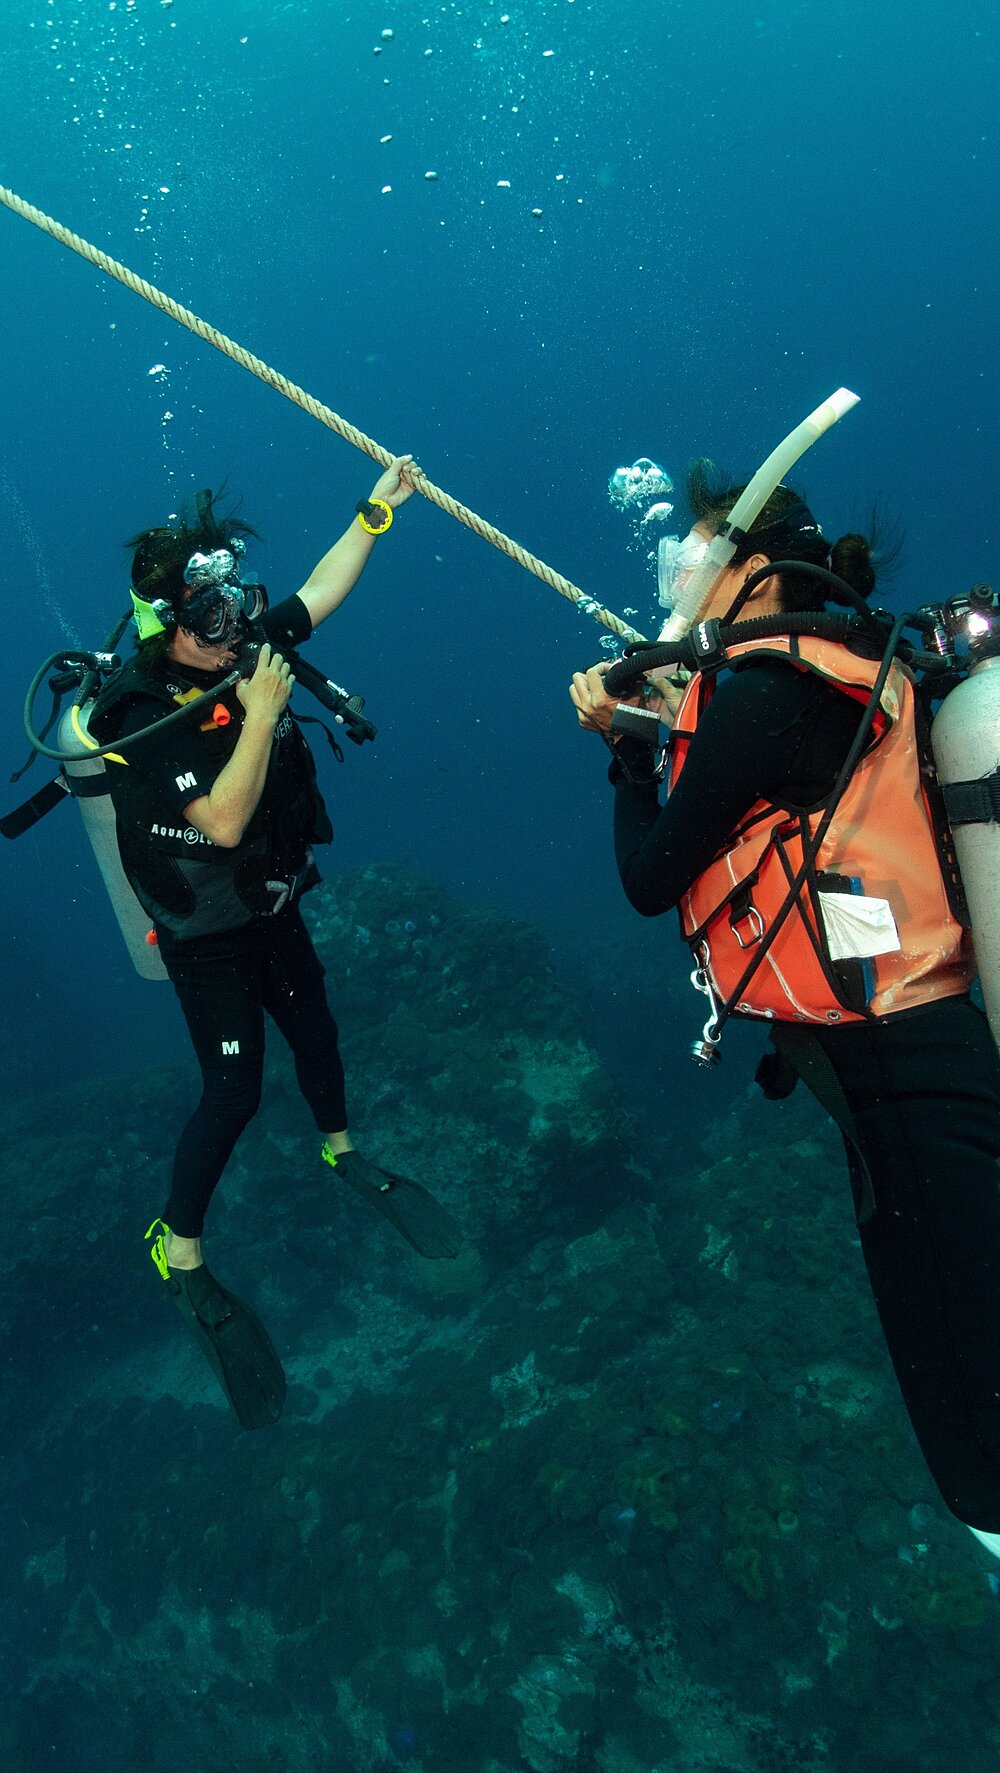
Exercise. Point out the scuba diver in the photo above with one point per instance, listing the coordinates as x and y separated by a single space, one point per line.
216 819
805 842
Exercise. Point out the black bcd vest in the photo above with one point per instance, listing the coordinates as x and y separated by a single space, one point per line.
186 883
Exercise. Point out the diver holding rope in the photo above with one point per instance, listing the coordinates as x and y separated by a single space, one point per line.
216 811
804 839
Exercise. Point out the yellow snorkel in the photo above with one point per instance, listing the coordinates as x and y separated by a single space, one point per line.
697 593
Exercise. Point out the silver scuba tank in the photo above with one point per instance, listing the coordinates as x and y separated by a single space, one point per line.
89 786
965 739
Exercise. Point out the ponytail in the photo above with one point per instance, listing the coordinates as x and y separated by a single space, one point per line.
851 559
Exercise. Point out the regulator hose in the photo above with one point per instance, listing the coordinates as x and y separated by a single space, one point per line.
710 638
83 664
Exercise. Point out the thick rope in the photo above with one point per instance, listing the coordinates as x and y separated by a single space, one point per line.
317 410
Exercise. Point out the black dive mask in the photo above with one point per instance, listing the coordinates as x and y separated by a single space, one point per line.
221 606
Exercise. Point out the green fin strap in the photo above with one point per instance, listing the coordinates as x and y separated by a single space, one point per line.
158 1253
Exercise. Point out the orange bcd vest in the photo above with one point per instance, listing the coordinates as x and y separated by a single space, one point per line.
876 883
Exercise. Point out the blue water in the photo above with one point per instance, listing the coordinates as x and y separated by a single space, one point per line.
755 206
742 208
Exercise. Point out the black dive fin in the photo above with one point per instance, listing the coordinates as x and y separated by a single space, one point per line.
235 1344
419 1218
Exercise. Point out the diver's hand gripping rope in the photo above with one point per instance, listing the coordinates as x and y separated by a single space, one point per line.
316 410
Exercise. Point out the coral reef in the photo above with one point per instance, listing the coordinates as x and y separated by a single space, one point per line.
628 1487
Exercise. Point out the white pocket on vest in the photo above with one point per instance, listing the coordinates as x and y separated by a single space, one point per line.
858 928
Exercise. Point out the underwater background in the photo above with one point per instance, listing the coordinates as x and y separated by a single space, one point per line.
630 1489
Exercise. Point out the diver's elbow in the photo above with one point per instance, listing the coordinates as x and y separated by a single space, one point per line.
647 904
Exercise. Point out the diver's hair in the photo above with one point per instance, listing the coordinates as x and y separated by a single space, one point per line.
855 558
155 647
160 555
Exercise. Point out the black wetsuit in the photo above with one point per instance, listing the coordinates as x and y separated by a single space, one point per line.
922 1086
226 979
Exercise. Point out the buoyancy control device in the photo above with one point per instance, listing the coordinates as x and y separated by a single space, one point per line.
956 662
82 775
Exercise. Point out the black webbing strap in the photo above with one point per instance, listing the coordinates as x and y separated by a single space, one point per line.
90 787
973 803
797 1048
314 720
15 824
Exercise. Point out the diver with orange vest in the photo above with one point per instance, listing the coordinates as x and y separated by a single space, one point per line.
804 839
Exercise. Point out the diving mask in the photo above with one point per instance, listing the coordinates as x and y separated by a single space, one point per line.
676 559
221 603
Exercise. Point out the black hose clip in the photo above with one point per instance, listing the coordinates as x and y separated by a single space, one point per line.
707 646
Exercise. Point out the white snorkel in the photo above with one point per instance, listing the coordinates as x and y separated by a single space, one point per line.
692 603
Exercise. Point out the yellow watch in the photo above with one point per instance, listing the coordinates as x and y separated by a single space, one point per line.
366 509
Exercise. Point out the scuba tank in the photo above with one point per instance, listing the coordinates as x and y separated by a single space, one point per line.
965 738
87 780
